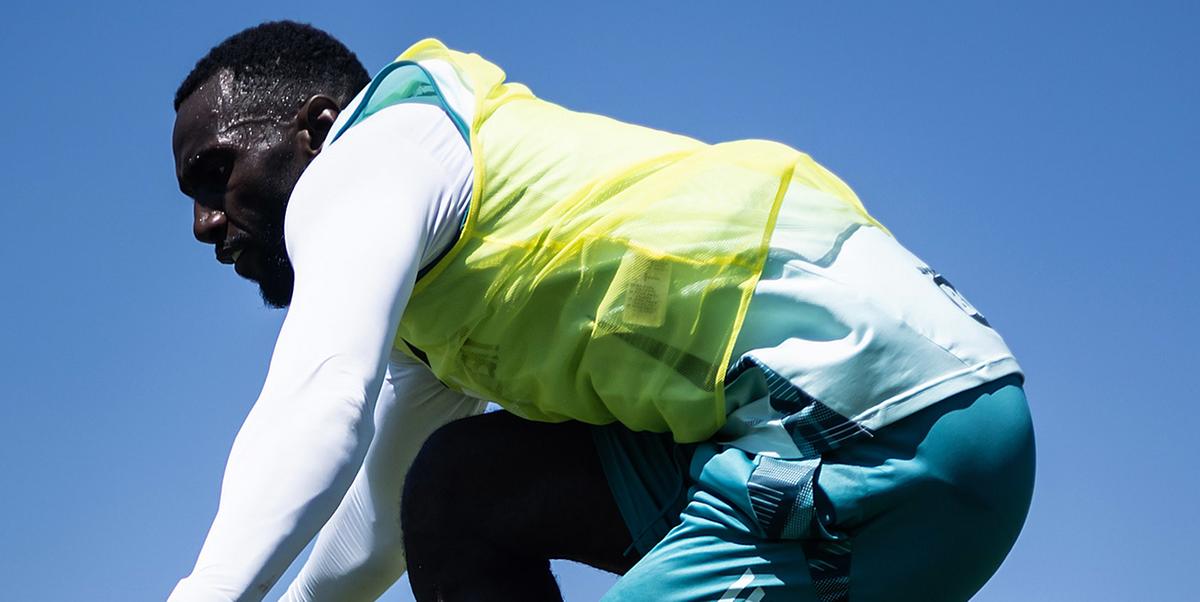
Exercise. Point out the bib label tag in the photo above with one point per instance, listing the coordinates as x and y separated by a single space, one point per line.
646 284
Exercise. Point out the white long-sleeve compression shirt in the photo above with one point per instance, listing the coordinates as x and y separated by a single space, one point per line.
359 553
366 215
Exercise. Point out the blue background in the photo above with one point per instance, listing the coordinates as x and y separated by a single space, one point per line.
1042 155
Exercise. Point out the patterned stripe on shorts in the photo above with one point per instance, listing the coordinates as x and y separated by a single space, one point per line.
829 567
782 492
815 427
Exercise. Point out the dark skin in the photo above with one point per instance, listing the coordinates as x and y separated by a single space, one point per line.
490 499
239 167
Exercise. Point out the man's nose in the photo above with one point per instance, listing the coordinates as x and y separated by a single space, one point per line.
208 224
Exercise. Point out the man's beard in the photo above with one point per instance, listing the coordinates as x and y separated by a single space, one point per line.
278 278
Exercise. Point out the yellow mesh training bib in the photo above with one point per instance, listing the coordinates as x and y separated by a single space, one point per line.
604 268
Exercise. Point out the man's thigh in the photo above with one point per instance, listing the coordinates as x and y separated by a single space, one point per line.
500 484
719 551
926 509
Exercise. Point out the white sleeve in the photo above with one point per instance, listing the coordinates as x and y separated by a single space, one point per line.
359 553
355 234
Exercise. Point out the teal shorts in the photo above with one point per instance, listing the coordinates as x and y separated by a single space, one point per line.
925 509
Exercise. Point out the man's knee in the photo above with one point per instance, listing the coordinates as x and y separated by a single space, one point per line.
458 546
500 485
433 501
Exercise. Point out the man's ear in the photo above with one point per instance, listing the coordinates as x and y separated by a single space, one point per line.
314 122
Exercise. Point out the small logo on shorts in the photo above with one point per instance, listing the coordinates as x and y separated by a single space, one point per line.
733 594
955 297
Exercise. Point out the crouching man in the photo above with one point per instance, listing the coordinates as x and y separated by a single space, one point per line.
723 378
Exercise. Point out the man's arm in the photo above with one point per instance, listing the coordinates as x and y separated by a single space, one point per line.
355 235
359 553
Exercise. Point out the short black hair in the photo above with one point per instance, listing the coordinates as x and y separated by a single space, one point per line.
284 63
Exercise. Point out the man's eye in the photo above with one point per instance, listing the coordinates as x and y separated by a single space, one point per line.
212 173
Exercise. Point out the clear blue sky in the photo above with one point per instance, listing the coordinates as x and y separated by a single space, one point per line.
1043 155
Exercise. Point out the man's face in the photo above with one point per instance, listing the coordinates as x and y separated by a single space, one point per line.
239 167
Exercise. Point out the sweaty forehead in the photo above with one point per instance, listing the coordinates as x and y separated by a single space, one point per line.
201 114
217 112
